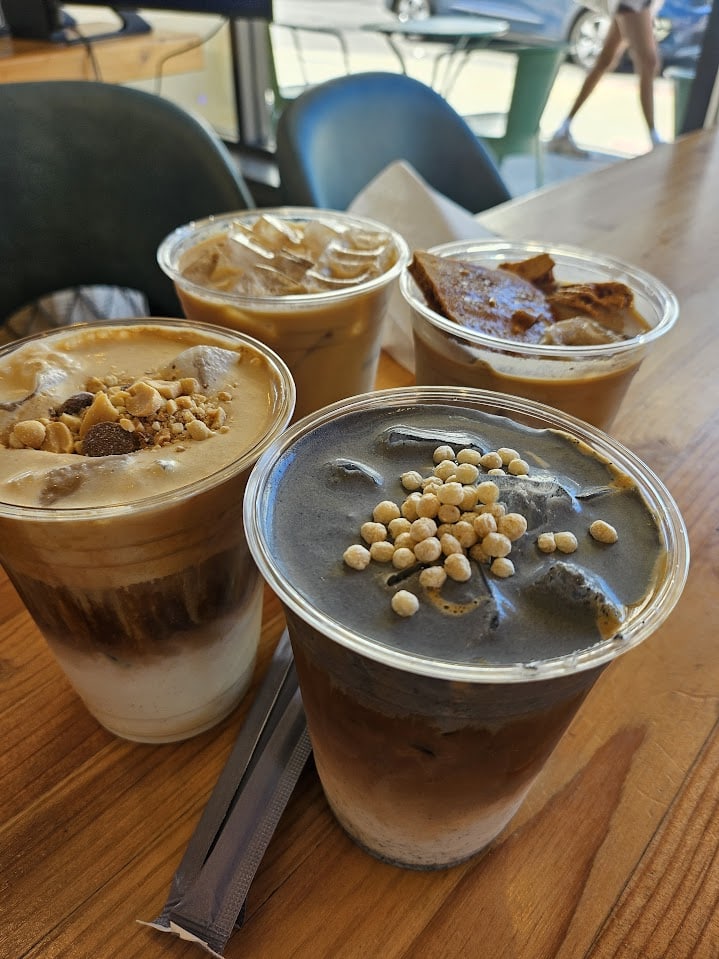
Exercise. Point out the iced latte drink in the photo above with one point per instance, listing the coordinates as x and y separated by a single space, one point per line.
556 324
124 453
457 568
312 284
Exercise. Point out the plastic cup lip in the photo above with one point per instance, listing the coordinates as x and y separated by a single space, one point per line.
285 409
641 622
178 240
639 280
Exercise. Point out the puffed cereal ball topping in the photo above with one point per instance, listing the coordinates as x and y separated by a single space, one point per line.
507 454
443 453
502 567
385 512
422 528
491 461
487 492
518 467
546 542
513 525
468 455
451 494
381 551
405 603
428 550
448 517
433 577
566 541
357 557
411 481
403 557
603 532
373 532
496 544
457 567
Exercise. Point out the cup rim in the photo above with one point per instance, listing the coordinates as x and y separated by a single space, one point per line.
669 304
166 256
286 406
642 621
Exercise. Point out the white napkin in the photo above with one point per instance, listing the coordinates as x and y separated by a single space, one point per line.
400 198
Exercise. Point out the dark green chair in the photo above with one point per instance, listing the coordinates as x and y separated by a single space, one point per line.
682 79
337 136
93 177
517 131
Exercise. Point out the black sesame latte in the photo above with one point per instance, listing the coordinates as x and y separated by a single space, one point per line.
454 580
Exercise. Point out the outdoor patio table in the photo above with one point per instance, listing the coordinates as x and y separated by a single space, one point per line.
462 33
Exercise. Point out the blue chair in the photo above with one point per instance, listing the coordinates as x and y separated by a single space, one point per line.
93 177
335 137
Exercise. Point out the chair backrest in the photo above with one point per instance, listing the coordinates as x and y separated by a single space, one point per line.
334 138
536 71
92 177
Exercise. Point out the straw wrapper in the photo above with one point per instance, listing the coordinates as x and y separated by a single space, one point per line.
208 891
400 198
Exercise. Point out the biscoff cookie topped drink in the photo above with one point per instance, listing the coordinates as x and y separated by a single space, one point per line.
457 567
124 452
312 284
550 322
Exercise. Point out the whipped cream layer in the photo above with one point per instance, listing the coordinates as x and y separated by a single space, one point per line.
40 376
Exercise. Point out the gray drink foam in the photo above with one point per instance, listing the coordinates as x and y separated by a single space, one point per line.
327 485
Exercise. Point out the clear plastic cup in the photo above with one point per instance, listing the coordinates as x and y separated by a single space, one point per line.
330 339
427 735
588 382
144 587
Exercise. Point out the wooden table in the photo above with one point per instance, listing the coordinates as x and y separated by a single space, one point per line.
122 60
459 34
615 851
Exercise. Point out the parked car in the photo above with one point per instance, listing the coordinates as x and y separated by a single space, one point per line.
679 25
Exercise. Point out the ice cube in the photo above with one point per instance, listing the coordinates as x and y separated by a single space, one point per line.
210 365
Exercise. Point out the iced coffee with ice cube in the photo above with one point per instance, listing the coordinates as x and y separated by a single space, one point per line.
311 284
473 563
124 452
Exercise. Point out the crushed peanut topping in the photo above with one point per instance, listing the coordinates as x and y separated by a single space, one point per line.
116 415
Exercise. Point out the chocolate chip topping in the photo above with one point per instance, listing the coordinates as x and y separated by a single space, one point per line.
75 403
108 439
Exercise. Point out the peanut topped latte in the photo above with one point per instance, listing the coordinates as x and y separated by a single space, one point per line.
124 451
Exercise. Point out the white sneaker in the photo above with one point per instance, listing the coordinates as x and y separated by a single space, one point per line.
655 138
564 143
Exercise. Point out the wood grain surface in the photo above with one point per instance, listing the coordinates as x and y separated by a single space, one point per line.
122 60
615 851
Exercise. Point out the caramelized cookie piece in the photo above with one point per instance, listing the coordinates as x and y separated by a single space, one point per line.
537 270
497 302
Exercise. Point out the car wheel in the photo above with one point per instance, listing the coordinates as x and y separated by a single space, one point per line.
412 9
586 38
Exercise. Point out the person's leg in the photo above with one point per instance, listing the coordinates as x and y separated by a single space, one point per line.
609 56
637 30
612 49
